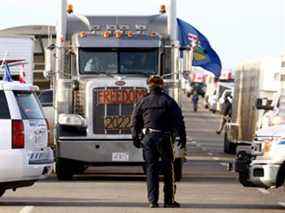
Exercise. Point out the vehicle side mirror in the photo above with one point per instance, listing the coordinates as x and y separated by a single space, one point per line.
264 104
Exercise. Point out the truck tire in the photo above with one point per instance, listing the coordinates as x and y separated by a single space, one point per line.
178 169
229 147
2 191
281 176
64 169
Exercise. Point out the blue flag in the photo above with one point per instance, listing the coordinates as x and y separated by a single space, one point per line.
204 55
7 73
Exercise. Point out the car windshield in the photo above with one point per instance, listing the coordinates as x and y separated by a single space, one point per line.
29 105
118 61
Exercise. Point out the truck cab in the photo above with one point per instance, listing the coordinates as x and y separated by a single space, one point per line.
102 66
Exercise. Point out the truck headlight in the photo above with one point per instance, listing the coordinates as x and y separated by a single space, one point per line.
277 120
71 120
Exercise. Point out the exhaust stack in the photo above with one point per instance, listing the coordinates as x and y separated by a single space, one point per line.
172 20
62 90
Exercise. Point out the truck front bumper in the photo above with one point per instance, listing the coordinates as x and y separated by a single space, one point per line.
264 174
99 151
255 173
96 151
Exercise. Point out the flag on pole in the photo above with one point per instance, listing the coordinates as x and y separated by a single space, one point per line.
204 56
7 73
22 75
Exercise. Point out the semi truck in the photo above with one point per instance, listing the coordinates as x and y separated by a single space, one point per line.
254 81
102 63
264 164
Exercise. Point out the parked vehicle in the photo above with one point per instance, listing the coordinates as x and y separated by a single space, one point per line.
263 165
254 80
25 156
100 75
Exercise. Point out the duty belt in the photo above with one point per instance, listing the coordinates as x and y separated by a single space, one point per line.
150 130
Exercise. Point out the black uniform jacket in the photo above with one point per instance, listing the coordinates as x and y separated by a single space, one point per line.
160 112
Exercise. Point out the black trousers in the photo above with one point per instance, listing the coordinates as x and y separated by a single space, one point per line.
158 146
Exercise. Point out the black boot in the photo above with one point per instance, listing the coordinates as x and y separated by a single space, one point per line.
172 205
153 205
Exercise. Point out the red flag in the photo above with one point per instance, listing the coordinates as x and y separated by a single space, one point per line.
22 75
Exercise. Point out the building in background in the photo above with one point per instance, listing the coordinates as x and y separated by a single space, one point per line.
43 36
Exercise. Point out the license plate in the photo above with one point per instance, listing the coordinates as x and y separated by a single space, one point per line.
120 156
117 122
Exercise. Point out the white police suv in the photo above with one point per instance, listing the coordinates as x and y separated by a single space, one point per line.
24 153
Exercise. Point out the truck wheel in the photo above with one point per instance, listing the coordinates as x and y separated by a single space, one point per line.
281 176
178 169
2 191
229 147
63 169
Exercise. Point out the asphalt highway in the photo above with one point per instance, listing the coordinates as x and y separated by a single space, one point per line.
207 186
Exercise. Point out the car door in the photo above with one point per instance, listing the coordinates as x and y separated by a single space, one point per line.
8 170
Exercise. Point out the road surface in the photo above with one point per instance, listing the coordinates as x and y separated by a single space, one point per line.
206 187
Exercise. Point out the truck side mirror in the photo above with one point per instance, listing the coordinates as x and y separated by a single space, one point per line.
263 104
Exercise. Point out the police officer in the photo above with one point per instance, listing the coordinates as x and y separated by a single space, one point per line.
157 116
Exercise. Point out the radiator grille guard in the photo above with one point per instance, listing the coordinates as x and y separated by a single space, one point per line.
112 108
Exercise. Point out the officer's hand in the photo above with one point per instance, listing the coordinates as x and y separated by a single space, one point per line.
181 144
137 143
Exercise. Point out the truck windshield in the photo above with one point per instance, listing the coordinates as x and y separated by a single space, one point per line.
118 61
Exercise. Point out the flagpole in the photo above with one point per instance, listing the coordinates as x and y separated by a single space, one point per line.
4 58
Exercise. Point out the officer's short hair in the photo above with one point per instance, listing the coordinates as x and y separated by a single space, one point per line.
155 81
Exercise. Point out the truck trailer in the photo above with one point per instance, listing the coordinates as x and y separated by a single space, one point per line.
102 64
17 51
254 80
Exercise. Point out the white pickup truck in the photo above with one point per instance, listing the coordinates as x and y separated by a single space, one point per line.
264 165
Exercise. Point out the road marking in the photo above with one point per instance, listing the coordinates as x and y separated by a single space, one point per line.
27 209
264 191
281 204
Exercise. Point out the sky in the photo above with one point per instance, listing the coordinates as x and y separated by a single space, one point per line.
238 30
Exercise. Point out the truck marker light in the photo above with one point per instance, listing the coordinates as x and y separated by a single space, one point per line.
162 9
118 34
130 34
83 34
266 149
106 34
153 34
70 8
